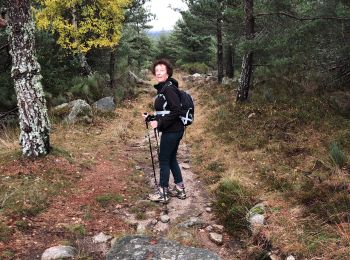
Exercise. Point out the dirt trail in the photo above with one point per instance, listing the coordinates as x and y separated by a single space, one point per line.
112 157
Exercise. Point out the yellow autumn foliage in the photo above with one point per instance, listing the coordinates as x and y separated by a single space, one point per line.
82 24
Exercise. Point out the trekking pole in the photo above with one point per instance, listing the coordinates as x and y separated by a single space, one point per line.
150 149
165 207
156 135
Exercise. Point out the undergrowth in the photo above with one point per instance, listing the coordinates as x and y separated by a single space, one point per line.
287 143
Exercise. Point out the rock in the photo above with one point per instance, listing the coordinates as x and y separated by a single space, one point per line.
209 204
211 79
185 166
274 257
138 168
161 227
209 228
185 235
80 111
196 75
251 115
154 222
105 104
193 221
59 252
218 228
141 228
290 257
208 209
143 247
341 101
257 220
227 81
216 238
101 238
61 110
165 218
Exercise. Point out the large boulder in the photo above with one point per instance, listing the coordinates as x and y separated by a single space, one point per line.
59 252
75 111
80 112
143 247
341 101
105 105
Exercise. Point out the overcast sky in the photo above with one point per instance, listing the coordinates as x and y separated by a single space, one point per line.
165 16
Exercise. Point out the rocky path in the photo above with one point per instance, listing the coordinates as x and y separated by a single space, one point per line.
112 157
191 221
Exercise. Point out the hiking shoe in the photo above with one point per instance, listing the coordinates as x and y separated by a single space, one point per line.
159 196
178 192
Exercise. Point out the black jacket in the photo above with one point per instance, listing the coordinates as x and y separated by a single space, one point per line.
168 99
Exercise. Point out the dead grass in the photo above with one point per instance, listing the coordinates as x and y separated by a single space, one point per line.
280 149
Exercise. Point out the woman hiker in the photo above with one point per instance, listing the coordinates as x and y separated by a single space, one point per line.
167 121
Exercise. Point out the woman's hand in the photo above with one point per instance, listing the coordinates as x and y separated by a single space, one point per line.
154 124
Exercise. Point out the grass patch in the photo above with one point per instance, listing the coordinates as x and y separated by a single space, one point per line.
26 195
232 203
76 230
328 200
105 200
5 233
337 155
141 208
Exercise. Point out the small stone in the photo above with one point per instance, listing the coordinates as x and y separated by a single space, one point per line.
138 168
218 228
290 257
251 115
193 221
141 228
209 204
165 218
58 252
274 257
208 209
216 238
101 238
113 241
154 222
209 228
257 219
185 166
185 235
118 206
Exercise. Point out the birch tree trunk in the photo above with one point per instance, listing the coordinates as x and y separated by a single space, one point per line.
247 62
34 121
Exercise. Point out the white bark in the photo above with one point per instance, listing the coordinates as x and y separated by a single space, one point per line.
33 116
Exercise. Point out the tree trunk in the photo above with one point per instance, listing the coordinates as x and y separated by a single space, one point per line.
34 121
84 65
112 57
220 57
247 63
230 62
85 68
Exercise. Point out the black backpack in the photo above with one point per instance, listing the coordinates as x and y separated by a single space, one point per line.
188 108
187 105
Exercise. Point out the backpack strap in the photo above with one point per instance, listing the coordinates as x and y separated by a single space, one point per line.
187 118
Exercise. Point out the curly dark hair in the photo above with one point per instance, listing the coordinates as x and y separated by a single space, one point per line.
166 63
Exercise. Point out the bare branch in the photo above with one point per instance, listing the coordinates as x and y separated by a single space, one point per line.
304 18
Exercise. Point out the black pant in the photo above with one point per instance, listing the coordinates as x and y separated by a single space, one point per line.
169 144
